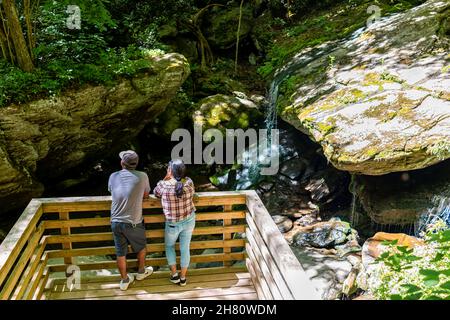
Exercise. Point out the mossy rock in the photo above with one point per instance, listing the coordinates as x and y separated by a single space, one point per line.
375 116
46 138
220 27
226 112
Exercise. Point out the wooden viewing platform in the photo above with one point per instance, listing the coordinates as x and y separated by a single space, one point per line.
62 248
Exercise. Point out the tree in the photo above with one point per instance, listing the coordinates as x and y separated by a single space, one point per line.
12 40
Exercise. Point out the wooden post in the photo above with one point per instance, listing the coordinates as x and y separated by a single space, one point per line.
64 215
227 236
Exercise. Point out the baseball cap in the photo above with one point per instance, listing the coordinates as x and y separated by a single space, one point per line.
130 158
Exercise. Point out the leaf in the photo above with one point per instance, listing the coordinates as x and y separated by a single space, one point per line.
438 257
395 297
431 282
445 285
429 273
415 296
410 288
389 242
403 249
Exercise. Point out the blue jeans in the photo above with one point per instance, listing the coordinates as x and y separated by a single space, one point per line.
182 229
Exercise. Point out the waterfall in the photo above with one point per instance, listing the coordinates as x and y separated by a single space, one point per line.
354 216
439 211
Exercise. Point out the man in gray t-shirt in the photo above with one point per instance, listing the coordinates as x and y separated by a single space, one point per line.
128 188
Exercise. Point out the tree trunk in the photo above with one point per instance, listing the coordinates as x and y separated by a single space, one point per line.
20 45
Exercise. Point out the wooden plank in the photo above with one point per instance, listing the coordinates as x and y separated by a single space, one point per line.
41 286
295 277
211 272
34 261
64 215
152 261
232 296
263 266
256 241
255 280
36 278
17 237
138 291
158 233
192 294
259 274
103 203
21 263
227 236
151 281
154 247
96 222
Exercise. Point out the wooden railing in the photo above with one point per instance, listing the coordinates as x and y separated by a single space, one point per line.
64 229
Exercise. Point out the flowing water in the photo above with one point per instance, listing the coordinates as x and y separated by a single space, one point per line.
439 211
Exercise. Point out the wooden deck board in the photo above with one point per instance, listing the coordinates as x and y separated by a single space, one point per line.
214 284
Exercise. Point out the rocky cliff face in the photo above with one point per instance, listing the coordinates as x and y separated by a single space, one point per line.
378 102
45 138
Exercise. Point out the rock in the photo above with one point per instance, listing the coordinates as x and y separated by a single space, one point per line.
226 112
326 185
306 220
187 47
350 285
374 247
266 186
293 168
355 260
383 105
168 30
283 223
404 198
350 246
323 234
327 272
43 139
220 26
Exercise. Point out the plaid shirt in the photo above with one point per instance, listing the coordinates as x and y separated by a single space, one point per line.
175 209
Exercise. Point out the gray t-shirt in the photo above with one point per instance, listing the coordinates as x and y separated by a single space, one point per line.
127 188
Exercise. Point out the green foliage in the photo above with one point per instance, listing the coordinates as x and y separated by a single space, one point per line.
336 19
441 150
67 58
412 274
93 12
139 20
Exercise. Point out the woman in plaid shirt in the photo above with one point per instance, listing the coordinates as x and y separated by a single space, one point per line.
176 192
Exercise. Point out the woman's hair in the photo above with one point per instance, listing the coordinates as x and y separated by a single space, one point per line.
178 169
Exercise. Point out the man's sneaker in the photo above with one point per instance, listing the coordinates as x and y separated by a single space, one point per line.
124 285
148 272
183 282
175 279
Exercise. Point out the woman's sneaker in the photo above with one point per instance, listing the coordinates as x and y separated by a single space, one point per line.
148 272
183 282
175 278
124 285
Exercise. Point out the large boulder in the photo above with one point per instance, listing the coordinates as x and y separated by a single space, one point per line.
405 198
227 112
220 26
378 102
43 139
